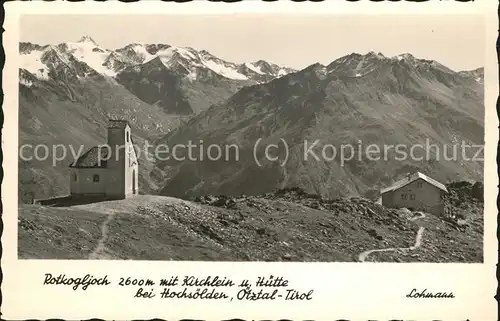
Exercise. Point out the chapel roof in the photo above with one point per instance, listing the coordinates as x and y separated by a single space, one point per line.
94 158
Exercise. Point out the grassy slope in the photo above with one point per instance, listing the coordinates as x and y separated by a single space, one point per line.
267 228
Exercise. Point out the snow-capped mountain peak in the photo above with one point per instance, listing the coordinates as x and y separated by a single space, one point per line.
359 65
404 56
356 65
87 39
476 74
87 51
185 61
379 55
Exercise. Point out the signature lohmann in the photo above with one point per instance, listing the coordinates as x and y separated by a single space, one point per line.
426 294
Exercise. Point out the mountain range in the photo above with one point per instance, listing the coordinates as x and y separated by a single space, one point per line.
156 73
187 61
173 94
357 100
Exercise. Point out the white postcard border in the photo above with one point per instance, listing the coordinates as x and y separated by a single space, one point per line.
342 290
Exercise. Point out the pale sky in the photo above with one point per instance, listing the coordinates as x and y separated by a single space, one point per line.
296 41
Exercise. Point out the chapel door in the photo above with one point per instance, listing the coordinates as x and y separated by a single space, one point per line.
133 182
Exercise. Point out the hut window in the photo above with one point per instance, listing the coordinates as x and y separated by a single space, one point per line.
128 137
96 178
419 184
404 196
412 196
75 178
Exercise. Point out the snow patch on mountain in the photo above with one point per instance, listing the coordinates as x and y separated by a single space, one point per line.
183 52
26 79
283 72
404 56
252 67
26 82
135 53
476 74
223 70
142 53
32 62
92 55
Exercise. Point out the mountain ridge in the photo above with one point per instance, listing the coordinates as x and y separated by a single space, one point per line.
88 51
375 99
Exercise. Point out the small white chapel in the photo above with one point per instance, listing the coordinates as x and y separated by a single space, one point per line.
108 170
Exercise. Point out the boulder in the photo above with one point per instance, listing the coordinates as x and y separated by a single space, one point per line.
404 212
477 191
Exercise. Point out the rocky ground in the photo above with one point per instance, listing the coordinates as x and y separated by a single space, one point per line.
288 225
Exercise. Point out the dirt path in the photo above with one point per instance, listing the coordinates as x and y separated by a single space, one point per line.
418 241
97 252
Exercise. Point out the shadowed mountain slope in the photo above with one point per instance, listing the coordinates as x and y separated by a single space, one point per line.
356 101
